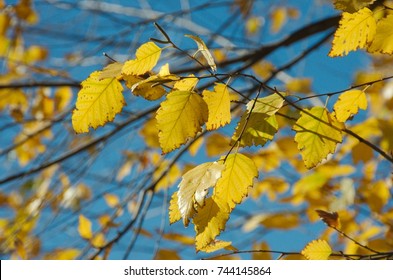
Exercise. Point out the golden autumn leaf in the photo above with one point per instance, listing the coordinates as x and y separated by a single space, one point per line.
235 180
179 238
258 124
383 41
351 6
147 90
186 84
218 104
299 85
349 103
209 222
202 48
98 102
110 71
329 218
174 212
216 245
356 30
147 57
278 18
317 250
84 227
180 117
166 254
111 200
194 186
317 134
163 76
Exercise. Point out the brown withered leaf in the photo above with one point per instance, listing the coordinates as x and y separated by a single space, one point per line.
329 218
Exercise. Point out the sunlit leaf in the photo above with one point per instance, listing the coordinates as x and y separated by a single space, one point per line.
317 250
383 41
194 187
202 48
218 104
258 124
356 30
98 102
147 90
317 134
174 212
147 57
209 222
84 227
218 245
180 117
235 180
349 103
351 6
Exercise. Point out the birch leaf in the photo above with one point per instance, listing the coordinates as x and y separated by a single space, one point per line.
202 48
218 104
180 117
194 186
349 103
98 102
383 41
317 250
355 31
147 57
317 135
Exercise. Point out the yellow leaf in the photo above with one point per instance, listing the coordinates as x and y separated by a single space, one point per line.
376 195
195 146
216 245
98 102
218 104
174 212
194 187
150 133
180 238
299 85
209 222
383 41
264 69
166 254
63 254
351 6
317 134
146 90
261 251
84 227
62 98
271 186
111 200
111 71
349 103
13 99
202 48
164 76
216 144
253 25
356 30
278 18
258 126
98 240
169 179
186 84
180 117
237 177
317 250
281 221
147 57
